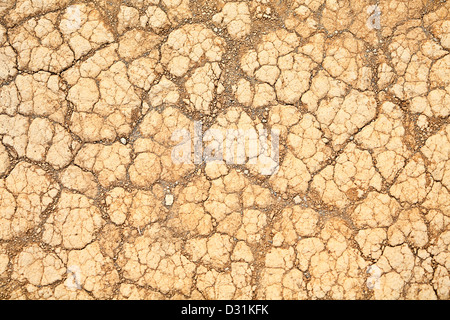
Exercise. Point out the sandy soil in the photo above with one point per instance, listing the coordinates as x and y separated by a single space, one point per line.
345 197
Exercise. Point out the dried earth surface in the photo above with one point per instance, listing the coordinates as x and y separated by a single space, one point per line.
93 205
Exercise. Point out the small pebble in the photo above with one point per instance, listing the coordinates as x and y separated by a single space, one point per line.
169 199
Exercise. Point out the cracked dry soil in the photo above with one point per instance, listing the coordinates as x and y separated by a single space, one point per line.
93 207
